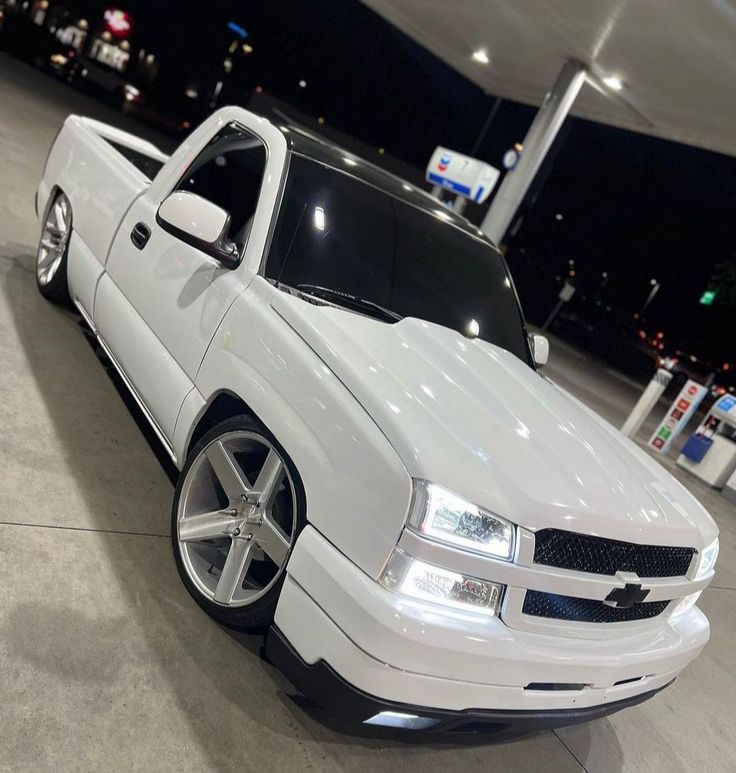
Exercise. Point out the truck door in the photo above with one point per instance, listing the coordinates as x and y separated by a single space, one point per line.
161 300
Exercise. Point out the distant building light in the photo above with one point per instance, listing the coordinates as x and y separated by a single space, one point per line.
321 120
613 82
302 84
381 150
481 56
192 93
117 23
259 89
558 216
237 29
247 48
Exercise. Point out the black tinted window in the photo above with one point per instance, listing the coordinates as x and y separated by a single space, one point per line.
229 172
448 277
337 232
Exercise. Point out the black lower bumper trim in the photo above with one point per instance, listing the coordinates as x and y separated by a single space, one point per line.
323 685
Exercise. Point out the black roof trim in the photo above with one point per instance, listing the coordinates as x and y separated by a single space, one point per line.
318 149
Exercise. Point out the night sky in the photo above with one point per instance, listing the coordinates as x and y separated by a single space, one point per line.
632 206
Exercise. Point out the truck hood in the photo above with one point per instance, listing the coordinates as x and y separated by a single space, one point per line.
475 419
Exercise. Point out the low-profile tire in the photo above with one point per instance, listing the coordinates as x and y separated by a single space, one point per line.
238 508
53 250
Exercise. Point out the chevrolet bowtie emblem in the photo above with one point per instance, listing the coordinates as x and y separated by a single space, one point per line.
626 597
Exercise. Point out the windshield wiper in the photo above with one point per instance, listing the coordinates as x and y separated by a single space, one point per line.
350 301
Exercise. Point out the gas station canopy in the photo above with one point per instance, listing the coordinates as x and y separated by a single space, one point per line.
661 67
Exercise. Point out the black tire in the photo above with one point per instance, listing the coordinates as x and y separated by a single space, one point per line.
57 288
257 616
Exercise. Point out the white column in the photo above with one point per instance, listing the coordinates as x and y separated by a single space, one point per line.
537 142
647 401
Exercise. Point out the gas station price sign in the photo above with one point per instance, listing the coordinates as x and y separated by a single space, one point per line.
677 416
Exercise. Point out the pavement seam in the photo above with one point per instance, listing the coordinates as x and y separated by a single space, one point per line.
572 753
84 528
720 587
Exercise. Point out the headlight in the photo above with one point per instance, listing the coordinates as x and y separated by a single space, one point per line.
444 516
707 560
427 582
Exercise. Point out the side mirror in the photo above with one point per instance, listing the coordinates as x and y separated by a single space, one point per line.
540 349
200 224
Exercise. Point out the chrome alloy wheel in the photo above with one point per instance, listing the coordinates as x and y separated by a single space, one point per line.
236 518
54 239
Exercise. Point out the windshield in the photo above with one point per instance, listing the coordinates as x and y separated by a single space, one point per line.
338 233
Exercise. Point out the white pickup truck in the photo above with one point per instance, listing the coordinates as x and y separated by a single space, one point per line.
373 470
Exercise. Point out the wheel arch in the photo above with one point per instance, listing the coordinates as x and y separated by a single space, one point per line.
54 191
222 405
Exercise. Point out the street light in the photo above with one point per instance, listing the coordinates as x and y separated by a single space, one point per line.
655 288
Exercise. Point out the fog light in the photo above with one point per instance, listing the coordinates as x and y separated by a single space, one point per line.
428 582
399 719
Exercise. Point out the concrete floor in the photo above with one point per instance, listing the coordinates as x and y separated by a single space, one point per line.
106 663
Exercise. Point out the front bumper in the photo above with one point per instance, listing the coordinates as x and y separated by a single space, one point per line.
396 651
322 683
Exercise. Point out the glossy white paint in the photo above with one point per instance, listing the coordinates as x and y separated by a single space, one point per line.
361 407
384 643
194 216
350 472
476 420
84 271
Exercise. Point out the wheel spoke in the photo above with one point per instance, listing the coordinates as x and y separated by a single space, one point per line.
59 216
52 269
45 257
235 568
273 543
205 526
269 480
231 477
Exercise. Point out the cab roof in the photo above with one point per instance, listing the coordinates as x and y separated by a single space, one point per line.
316 148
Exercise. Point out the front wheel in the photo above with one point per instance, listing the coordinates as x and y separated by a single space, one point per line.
53 248
238 508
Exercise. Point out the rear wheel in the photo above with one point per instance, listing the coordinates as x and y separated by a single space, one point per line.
237 511
53 247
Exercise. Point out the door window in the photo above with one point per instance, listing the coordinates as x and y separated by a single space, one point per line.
229 173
